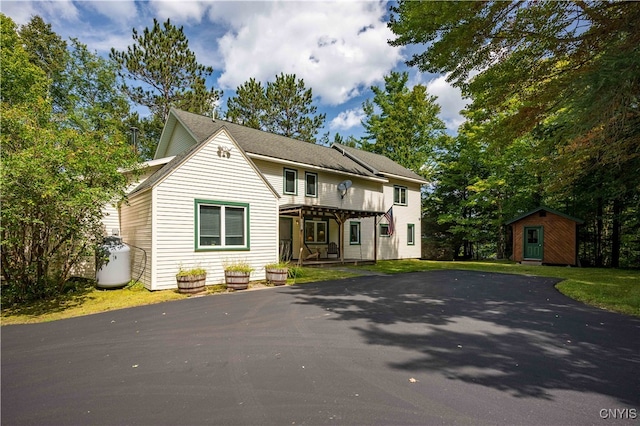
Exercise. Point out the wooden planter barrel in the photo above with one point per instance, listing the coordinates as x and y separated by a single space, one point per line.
190 284
277 276
237 280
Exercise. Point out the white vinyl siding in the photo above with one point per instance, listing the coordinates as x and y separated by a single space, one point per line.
137 223
363 195
396 246
208 176
180 141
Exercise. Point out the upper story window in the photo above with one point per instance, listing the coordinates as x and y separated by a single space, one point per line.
290 184
400 195
311 184
222 225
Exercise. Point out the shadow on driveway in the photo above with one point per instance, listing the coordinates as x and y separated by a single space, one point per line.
516 334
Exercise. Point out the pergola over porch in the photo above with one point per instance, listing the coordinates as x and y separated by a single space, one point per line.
340 215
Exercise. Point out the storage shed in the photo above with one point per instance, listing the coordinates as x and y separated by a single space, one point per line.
545 236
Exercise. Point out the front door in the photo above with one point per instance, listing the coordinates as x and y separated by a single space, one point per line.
286 238
533 242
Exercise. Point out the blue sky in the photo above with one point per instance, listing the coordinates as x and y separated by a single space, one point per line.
339 48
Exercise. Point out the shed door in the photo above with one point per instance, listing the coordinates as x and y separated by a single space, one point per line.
533 242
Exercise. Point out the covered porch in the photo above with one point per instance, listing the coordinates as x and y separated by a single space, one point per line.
315 235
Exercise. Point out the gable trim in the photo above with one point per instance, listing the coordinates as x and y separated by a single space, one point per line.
196 149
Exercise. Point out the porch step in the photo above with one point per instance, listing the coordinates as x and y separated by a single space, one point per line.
531 262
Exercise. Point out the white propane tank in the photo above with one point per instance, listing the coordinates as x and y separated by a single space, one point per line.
117 271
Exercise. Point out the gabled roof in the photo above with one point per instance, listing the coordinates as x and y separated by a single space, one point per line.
547 209
378 164
271 146
184 155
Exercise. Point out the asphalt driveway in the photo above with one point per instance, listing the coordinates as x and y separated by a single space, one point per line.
443 347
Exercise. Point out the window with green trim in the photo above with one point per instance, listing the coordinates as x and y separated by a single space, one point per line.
311 184
384 230
290 184
315 231
221 225
354 233
411 234
400 195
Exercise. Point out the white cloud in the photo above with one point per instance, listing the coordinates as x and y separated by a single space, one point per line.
180 10
52 11
347 119
119 11
450 100
20 12
337 48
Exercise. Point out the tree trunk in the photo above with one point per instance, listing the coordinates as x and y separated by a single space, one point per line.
615 235
599 233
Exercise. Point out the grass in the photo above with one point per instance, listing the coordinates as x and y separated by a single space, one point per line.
88 300
612 289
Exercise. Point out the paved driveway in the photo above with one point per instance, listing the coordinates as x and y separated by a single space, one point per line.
444 347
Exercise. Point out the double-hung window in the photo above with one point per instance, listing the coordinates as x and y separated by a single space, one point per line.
411 234
290 183
400 195
311 184
354 233
221 225
384 230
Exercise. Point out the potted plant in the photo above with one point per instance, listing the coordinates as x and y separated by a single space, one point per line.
191 280
236 275
277 273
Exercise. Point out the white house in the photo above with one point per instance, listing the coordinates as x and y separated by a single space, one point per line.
218 192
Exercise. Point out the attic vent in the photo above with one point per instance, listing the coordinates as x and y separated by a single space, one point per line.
543 213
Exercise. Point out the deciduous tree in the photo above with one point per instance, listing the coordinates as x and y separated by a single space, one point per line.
57 170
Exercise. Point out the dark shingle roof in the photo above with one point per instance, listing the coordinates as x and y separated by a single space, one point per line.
547 209
271 145
379 163
339 158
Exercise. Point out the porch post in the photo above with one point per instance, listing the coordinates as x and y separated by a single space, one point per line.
341 219
375 239
341 232
301 230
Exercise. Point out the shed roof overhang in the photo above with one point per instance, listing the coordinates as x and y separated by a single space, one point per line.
297 210
547 209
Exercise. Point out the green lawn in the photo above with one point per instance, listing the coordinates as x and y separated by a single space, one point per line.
89 300
612 289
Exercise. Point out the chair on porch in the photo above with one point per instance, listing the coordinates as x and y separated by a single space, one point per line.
312 254
332 251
